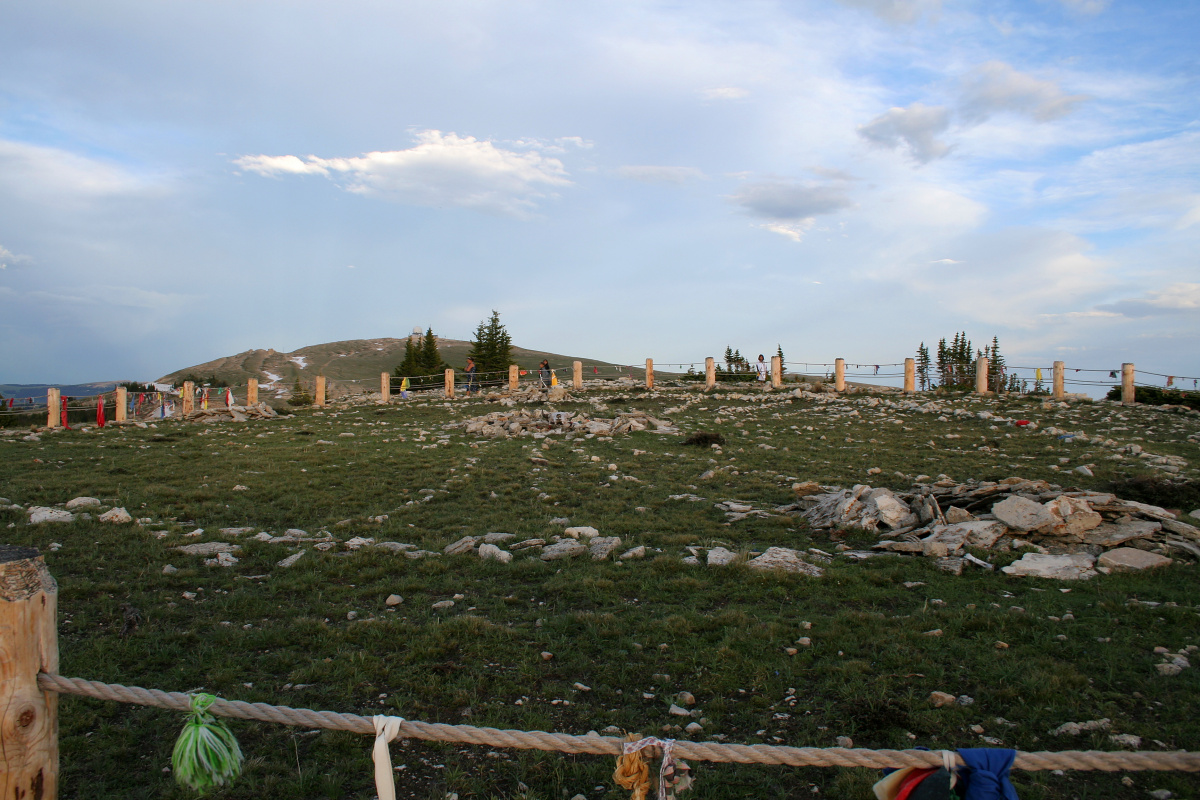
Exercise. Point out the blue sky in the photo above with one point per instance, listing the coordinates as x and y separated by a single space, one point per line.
181 181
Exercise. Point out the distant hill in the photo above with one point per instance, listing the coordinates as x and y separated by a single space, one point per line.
359 362
38 390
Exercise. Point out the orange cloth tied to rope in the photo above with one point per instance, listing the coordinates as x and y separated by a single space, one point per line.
633 773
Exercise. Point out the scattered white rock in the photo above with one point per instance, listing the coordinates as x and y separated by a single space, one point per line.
1022 514
787 560
721 557
582 531
1129 559
290 560
83 502
169 570
634 552
490 552
442 604
601 547
208 548
1078 566
463 545
40 514
393 600
567 548
117 516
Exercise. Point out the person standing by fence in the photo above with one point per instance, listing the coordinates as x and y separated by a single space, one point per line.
763 369
472 386
544 373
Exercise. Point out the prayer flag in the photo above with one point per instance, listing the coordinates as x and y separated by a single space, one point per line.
228 397
100 412
64 413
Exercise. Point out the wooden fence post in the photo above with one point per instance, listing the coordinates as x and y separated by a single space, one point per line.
710 374
449 384
122 403
252 392
1059 380
649 373
29 644
776 372
320 393
577 375
1127 391
514 377
839 374
910 375
981 375
53 408
189 398
385 387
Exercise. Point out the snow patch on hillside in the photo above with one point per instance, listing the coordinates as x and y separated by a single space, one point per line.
299 361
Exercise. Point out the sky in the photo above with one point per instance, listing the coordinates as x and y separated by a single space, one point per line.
620 180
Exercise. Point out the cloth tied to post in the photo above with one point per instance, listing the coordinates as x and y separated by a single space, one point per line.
386 729
633 773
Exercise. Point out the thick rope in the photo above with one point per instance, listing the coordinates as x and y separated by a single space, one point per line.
612 746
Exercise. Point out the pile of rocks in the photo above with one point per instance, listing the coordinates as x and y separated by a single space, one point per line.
232 413
504 424
576 541
1072 533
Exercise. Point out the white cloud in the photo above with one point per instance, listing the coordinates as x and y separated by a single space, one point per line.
54 174
441 170
995 87
724 93
655 174
792 230
916 126
9 257
1086 6
1174 299
945 261
790 201
896 10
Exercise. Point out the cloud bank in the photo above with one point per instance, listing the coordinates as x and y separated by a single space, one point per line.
440 170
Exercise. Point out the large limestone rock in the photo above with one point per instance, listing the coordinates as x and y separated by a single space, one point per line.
82 502
490 552
581 531
601 547
463 545
782 558
567 548
40 514
720 557
1022 514
1107 535
118 516
208 548
1129 559
884 508
1073 516
1064 567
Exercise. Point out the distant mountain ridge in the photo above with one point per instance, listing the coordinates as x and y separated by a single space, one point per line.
351 362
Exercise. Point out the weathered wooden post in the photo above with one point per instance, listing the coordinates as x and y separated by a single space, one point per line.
122 403
776 372
514 377
188 394
981 375
252 392
1059 380
649 373
449 384
385 387
28 645
710 374
839 374
53 405
1127 390
577 375
910 375
320 394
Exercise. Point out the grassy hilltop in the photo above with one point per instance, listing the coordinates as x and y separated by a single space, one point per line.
634 635
360 360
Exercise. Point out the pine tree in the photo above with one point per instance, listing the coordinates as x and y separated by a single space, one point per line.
430 359
411 365
923 365
782 363
492 346
729 362
996 367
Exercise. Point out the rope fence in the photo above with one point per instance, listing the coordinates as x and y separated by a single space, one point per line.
1100 760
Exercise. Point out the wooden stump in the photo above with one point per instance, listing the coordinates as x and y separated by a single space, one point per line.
188 395
710 373
839 374
1128 395
981 375
649 373
53 408
252 392
1059 389
28 644
910 375
514 377
577 375
449 384
776 372
320 399
385 387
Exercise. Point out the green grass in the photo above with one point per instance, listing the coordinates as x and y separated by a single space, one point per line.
656 626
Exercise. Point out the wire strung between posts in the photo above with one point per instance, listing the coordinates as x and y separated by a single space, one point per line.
612 746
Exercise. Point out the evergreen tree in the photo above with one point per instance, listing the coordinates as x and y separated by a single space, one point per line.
411 365
729 362
782 363
430 359
996 366
492 346
923 365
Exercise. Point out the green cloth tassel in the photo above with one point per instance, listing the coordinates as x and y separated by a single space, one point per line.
206 753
